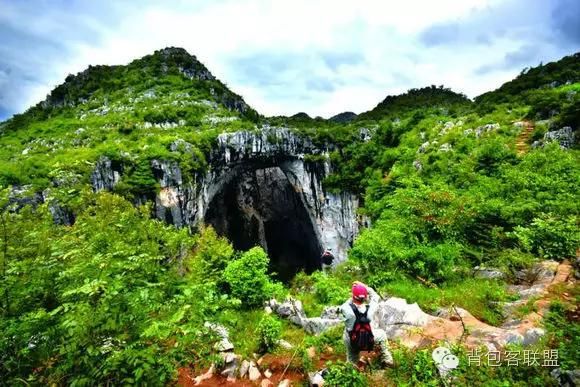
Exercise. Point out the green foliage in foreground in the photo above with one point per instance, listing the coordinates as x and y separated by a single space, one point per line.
269 330
344 374
564 332
418 369
114 299
248 278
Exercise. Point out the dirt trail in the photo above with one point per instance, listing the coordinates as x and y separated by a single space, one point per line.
480 333
522 139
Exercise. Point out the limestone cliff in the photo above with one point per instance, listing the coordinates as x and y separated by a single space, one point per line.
245 162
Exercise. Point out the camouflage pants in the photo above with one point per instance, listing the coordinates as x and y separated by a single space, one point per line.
353 355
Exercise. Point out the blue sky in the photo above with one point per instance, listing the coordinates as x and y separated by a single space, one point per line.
284 57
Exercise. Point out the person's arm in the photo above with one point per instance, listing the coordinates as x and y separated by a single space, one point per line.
349 317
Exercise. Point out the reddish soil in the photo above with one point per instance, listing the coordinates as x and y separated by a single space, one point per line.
275 363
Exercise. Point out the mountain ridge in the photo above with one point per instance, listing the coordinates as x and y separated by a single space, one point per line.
171 60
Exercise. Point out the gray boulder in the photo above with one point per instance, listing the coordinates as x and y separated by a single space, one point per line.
488 273
533 335
231 365
292 310
180 145
446 147
564 136
224 344
423 147
418 166
395 316
510 338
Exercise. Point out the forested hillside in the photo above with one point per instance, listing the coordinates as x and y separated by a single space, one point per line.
459 203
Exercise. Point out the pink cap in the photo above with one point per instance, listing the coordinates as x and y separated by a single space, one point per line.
359 291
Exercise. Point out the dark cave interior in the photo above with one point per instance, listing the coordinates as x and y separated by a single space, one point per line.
259 206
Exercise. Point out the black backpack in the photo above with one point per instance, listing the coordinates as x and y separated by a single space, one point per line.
361 336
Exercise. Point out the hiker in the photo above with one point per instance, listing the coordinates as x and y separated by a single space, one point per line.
358 333
326 258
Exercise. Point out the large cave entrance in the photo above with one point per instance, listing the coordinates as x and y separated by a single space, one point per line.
259 206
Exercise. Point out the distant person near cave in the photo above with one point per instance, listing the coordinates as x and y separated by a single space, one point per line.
326 258
358 333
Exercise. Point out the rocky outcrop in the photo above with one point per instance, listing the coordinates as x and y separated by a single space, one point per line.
106 174
288 158
22 196
565 137
395 316
333 215
292 310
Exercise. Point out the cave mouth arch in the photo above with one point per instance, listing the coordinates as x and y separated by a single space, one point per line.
258 205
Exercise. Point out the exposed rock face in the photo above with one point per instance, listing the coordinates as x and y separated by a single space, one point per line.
21 196
253 161
258 183
293 311
106 174
564 136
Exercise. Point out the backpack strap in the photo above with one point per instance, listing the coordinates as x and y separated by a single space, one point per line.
357 313
366 311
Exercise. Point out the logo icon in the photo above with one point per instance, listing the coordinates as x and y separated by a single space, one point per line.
444 359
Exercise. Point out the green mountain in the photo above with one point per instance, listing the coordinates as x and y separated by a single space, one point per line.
139 203
550 91
424 98
551 75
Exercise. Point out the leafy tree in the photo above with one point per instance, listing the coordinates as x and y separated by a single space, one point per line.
248 278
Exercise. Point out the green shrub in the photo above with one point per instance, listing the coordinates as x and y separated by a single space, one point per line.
492 154
342 374
327 290
97 303
269 330
211 255
391 248
248 279
550 236
512 260
564 334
